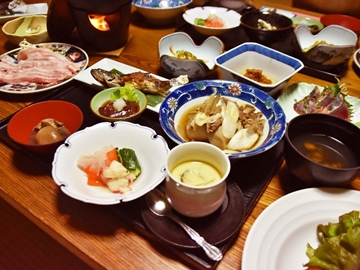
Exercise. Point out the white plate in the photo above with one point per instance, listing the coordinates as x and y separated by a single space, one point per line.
298 91
31 9
283 12
63 49
151 150
278 238
109 64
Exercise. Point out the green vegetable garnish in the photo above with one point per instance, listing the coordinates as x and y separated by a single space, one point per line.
339 246
154 100
129 160
200 21
114 70
126 93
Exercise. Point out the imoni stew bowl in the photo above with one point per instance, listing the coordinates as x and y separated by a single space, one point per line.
177 105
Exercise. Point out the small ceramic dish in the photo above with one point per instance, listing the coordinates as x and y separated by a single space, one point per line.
326 49
357 58
314 25
230 19
22 124
31 28
192 95
103 97
346 21
276 66
178 49
150 149
160 12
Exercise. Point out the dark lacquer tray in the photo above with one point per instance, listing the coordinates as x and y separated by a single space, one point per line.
250 176
288 45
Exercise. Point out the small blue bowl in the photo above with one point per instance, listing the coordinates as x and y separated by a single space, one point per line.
193 94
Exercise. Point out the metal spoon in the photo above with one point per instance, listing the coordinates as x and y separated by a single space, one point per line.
159 205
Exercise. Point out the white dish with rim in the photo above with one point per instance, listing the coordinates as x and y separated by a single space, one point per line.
151 151
109 64
279 236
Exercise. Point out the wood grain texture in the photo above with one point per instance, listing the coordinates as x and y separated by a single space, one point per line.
109 242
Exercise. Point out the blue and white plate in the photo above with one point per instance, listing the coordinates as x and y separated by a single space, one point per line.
193 94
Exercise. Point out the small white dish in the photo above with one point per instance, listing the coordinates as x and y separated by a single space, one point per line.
205 54
277 240
298 91
230 17
151 151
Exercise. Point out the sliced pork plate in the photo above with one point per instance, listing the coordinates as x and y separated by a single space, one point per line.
40 68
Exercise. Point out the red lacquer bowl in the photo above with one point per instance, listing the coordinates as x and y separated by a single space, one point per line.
23 122
346 21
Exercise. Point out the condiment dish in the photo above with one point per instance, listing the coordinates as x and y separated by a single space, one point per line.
22 124
315 26
103 97
229 18
31 28
325 49
179 55
273 65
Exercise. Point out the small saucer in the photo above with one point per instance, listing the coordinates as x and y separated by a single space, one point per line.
215 228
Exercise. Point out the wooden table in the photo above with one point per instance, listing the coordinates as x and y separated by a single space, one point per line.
32 191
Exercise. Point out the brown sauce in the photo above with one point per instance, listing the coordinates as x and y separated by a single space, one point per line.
108 110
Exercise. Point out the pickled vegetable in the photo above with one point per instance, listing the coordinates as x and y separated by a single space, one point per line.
129 160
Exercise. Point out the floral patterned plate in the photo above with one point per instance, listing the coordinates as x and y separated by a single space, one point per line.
71 52
193 94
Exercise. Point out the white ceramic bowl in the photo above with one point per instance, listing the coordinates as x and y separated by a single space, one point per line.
230 17
195 69
151 151
190 200
339 48
275 65
357 58
34 32
160 11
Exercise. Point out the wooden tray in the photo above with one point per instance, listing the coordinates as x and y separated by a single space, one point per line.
251 174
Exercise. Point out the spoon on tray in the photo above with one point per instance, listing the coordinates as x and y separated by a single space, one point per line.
159 205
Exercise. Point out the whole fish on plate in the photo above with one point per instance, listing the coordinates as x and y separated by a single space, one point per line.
7 8
142 81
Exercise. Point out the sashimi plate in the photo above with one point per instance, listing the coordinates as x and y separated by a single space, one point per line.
297 91
25 10
151 151
108 64
279 236
71 52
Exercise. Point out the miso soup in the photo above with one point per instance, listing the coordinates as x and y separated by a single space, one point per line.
325 150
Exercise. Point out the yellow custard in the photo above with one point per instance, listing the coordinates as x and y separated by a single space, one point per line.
196 173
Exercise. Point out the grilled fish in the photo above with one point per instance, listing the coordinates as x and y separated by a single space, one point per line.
144 82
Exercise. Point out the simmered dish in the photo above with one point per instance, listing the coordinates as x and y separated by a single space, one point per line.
257 75
231 126
48 131
112 167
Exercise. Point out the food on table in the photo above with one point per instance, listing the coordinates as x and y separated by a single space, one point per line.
37 65
196 173
224 123
316 43
257 75
312 27
48 131
144 82
339 247
112 167
264 25
182 54
7 8
123 102
330 100
211 21
325 150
